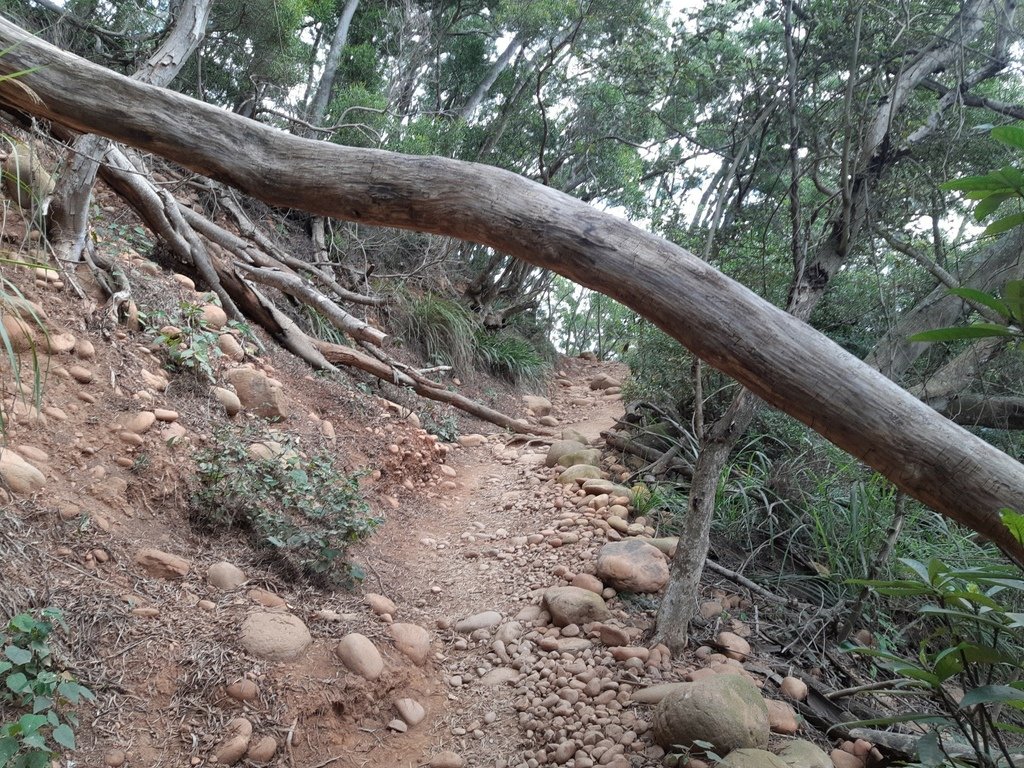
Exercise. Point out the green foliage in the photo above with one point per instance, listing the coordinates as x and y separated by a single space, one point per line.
992 190
300 508
1010 307
443 330
36 693
973 641
444 427
194 349
510 356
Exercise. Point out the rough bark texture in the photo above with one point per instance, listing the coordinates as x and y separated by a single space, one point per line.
775 355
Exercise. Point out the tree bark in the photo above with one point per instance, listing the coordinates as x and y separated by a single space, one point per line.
777 356
499 66
69 213
322 97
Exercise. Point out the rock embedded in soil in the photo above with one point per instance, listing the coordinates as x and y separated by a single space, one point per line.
380 604
243 689
733 646
579 473
275 636
781 718
472 440
726 711
804 754
632 566
572 605
412 640
447 759
411 711
225 575
483 620
262 750
586 456
751 758
258 393
539 406
115 758
230 347
229 400
793 688
360 656
162 565
560 448
20 476
235 743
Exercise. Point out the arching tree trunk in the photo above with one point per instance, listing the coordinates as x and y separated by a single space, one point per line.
775 355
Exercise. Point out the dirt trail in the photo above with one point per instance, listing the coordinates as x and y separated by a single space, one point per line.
466 554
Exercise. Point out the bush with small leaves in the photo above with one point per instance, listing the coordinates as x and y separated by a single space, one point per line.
35 724
302 509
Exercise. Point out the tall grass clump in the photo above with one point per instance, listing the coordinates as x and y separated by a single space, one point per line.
442 330
510 356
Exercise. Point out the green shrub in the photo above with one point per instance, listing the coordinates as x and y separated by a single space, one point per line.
302 509
35 692
442 330
973 641
195 348
510 356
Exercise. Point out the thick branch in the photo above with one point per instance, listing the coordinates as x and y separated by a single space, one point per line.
777 356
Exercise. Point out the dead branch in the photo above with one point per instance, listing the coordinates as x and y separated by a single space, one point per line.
293 285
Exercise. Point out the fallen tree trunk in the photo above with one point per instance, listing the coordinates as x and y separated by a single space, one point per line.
775 355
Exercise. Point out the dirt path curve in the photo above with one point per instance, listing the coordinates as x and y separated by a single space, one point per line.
490 546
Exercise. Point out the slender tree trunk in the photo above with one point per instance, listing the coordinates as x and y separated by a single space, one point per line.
322 97
811 278
499 66
69 213
777 356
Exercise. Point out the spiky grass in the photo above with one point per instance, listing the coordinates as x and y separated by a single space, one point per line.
510 356
443 330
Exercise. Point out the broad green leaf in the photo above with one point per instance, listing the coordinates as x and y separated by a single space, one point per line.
986 299
1013 295
64 736
18 655
40 703
990 204
990 182
8 749
917 567
976 331
1011 135
929 752
31 723
992 694
1015 522
948 663
17 682
1004 224
1012 176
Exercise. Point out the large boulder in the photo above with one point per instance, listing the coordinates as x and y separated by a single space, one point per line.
632 566
590 456
538 406
560 448
275 636
726 711
18 474
598 487
258 393
579 474
412 640
574 434
572 605
804 754
751 758
358 653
